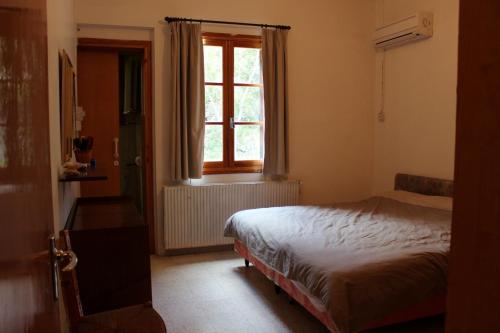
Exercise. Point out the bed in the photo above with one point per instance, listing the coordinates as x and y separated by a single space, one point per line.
360 265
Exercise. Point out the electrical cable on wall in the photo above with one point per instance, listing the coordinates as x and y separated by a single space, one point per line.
381 113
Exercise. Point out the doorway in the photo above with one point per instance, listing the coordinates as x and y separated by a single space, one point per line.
114 91
131 127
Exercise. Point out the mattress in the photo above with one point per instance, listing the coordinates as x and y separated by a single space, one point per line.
362 261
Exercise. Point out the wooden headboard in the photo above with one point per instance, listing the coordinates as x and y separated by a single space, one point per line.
423 185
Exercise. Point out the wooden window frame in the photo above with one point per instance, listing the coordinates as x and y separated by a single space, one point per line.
228 43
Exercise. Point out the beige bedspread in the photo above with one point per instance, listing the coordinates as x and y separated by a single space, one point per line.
362 260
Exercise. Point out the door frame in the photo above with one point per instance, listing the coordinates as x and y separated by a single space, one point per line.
145 47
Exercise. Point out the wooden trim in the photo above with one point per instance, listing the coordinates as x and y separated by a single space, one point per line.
248 163
148 146
228 43
204 249
71 216
114 44
239 169
247 43
146 48
69 285
224 37
249 123
248 85
229 80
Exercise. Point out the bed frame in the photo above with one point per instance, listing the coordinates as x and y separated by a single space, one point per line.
431 307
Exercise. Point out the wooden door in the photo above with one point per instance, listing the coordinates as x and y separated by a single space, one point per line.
474 284
98 94
26 222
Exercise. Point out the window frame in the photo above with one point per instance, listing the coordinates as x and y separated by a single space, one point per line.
228 164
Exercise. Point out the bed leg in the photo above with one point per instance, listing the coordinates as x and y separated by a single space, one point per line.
247 263
277 289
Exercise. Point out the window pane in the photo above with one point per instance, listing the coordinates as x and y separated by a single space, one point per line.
247 65
213 103
213 143
247 142
213 63
247 103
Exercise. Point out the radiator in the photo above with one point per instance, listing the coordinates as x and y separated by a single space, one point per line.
195 215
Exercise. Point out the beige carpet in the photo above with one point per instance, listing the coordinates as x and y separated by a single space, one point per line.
214 292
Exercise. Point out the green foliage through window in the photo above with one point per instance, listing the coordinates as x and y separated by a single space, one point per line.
213 143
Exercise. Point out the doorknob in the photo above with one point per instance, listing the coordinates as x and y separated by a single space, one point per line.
57 256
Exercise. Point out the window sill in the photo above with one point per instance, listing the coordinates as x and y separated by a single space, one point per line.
222 171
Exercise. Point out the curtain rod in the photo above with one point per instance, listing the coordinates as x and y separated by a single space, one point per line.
182 19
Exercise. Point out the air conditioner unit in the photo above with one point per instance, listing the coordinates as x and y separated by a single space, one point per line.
407 30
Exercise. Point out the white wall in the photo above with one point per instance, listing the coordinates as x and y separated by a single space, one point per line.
418 135
331 87
61 34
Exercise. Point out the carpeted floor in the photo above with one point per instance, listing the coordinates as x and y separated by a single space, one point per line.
214 292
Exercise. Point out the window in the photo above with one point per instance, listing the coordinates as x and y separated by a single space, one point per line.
234 112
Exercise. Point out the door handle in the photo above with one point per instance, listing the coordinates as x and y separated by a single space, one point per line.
116 154
138 161
67 255
57 256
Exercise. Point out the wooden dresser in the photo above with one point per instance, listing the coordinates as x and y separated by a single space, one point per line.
113 272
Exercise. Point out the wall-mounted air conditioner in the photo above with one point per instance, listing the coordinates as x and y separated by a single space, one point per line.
407 30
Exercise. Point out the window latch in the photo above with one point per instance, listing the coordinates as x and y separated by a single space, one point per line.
231 122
